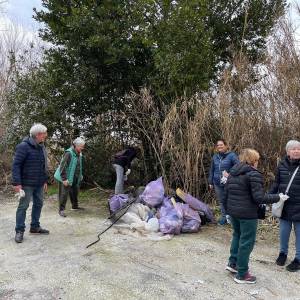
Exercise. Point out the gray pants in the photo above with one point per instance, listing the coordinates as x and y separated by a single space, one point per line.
119 187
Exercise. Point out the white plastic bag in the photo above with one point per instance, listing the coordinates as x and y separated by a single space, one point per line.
277 208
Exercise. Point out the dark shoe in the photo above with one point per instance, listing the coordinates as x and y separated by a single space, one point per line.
231 267
77 208
247 278
62 213
281 259
39 230
294 266
222 221
19 236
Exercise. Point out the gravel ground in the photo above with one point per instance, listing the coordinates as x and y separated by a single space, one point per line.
128 266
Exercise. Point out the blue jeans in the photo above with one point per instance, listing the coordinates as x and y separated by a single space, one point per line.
219 190
285 231
119 187
36 194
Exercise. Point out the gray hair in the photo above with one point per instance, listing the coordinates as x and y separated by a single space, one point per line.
37 128
78 141
291 144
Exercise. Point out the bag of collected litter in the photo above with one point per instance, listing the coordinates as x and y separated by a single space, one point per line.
196 204
191 219
152 225
171 219
153 194
117 201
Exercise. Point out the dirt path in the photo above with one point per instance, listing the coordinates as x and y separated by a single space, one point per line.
125 266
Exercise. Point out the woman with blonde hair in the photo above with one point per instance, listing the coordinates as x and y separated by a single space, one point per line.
244 193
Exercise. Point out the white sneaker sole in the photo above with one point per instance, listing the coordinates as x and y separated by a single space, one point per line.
231 270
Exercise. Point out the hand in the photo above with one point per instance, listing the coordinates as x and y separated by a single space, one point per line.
225 173
17 188
128 172
66 183
283 197
45 187
211 187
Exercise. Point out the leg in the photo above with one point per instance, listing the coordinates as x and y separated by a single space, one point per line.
235 240
297 234
119 187
73 192
285 228
38 195
220 197
62 196
22 208
247 240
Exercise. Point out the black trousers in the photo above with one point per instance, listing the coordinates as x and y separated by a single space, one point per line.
64 191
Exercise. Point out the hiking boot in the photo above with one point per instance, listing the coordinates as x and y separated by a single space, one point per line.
294 266
19 236
281 259
247 278
39 230
77 208
231 267
62 213
222 221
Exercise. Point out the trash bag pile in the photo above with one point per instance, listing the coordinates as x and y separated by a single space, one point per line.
153 211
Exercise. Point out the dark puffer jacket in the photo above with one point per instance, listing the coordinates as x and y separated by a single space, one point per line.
30 164
285 170
244 192
125 157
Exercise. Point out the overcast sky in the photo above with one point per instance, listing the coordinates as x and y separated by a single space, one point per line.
21 11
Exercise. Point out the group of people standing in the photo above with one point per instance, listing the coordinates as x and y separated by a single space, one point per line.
30 176
236 180
240 191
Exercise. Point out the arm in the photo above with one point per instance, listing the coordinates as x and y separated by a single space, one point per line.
234 160
64 165
257 190
20 156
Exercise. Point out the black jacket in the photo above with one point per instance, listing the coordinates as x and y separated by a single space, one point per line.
291 208
244 192
125 157
30 164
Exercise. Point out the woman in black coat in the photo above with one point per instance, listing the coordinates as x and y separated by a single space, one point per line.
291 210
244 193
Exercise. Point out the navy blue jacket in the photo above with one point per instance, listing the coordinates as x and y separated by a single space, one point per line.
30 164
285 170
244 191
125 157
221 162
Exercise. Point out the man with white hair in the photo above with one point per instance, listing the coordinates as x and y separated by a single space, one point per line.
29 178
69 176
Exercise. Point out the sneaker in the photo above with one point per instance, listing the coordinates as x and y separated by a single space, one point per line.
231 267
281 259
19 236
247 278
77 208
222 221
62 213
294 266
39 230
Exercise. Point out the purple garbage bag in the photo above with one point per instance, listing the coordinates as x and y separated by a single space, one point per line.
153 194
199 205
171 219
117 201
191 219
